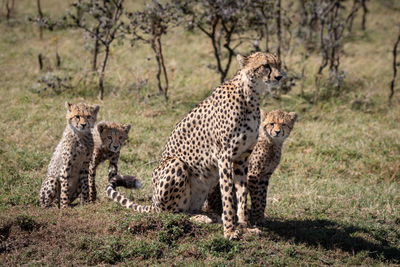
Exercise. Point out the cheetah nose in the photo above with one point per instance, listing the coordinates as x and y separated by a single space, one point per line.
83 125
277 132
278 77
115 147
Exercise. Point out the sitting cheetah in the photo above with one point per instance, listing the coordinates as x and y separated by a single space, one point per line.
108 140
67 174
275 128
211 144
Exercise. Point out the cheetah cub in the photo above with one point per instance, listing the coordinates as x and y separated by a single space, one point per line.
67 174
108 140
274 129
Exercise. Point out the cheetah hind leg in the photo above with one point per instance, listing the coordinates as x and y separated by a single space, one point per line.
49 193
172 191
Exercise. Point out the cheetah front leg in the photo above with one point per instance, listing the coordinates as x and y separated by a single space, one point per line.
92 180
240 180
113 167
84 183
65 176
225 167
258 187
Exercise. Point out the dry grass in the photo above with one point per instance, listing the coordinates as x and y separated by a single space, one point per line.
334 200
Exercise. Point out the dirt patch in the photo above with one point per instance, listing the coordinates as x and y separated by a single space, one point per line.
48 235
145 225
167 229
14 233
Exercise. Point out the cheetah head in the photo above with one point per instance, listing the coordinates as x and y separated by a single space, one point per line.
277 124
113 135
262 69
81 117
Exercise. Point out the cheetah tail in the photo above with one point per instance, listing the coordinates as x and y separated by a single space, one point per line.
127 181
125 202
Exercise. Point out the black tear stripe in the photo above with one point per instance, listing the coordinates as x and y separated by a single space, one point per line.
270 71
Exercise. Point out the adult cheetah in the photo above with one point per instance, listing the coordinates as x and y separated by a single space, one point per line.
67 174
211 144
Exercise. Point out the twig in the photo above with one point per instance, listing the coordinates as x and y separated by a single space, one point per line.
394 67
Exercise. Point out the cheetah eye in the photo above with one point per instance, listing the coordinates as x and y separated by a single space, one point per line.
120 138
283 124
109 137
89 117
77 117
267 66
271 124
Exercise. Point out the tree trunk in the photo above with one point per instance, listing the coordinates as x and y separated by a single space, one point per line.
394 68
266 37
266 30
324 61
95 49
103 68
40 60
353 12
58 60
8 9
157 55
163 68
217 50
41 19
278 28
364 17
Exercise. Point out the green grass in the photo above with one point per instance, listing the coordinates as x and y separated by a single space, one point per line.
334 199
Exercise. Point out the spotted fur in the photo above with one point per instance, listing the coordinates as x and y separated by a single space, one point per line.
211 144
67 174
108 140
127 181
275 127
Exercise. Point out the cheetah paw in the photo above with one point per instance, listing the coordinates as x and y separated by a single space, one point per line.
232 234
253 231
200 218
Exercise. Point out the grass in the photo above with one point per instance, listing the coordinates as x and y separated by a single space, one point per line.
334 199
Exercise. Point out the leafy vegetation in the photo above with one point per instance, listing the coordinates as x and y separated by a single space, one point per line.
334 199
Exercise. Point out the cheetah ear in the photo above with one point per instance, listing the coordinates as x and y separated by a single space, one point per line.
127 127
96 109
263 115
101 126
293 116
68 105
242 60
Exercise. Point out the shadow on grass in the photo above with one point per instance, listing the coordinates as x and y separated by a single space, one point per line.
332 235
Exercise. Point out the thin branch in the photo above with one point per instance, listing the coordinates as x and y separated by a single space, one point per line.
204 30
364 17
164 69
392 83
41 19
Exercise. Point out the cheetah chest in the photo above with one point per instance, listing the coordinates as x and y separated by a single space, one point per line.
80 157
245 139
